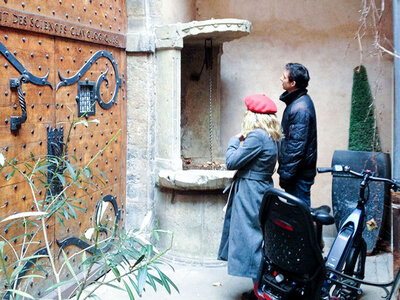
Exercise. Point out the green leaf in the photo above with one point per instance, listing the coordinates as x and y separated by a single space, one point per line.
32 276
11 174
72 211
24 215
84 122
70 170
142 278
163 279
134 285
128 290
94 121
152 282
16 271
20 293
62 179
156 235
71 270
149 250
139 260
156 279
172 283
9 224
83 259
87 172
116 273
101 173
65 212
39 169
33 257
56 285
77 207
60 220
109 284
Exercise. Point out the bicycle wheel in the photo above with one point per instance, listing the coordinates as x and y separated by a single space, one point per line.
355 267
395 287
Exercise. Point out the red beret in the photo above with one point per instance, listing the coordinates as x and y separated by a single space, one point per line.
260 104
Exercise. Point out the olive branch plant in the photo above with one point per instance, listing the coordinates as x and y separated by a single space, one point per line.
130 255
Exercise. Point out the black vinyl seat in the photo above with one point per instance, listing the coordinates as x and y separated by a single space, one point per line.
290 243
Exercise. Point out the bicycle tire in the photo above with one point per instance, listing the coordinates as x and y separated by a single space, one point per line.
355 267
395 287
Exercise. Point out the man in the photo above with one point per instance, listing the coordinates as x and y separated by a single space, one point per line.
298 148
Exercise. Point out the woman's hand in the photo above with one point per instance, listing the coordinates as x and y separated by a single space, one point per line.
240 136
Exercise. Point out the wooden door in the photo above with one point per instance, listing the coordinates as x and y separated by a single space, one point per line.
62 58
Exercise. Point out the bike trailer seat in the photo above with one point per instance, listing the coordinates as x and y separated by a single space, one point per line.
289 233
290 243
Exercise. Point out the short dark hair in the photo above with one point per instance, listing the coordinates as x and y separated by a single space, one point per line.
298 73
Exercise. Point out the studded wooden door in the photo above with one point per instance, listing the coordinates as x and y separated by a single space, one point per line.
59 59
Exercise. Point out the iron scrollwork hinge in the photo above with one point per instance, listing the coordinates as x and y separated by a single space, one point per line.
26 77
103 77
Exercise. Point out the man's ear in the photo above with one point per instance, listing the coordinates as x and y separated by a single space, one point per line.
292 83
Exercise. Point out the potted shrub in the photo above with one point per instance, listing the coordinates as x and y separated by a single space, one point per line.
364 152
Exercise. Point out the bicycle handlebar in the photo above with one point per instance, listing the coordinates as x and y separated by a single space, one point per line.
394 185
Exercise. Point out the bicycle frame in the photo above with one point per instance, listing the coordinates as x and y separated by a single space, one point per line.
349 232
349 238
345 262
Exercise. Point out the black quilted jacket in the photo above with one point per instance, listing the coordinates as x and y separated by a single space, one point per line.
298 148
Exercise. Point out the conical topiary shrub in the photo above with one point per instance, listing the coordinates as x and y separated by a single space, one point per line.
363 134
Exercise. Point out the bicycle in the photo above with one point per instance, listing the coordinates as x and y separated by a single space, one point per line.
297 269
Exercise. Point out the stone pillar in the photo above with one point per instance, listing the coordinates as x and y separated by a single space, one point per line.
168 106
140 51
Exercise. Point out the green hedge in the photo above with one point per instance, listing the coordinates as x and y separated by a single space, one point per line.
363 135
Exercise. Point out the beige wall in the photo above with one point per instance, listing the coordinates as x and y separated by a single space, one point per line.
318 34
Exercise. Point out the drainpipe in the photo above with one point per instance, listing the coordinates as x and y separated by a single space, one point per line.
396 40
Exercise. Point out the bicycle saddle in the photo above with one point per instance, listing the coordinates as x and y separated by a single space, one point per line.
324 208
321 215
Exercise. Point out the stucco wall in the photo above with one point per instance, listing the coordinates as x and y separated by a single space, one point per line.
318 34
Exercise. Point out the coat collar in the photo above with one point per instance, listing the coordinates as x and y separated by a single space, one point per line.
290 97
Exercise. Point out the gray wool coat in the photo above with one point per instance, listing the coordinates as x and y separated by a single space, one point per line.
241 240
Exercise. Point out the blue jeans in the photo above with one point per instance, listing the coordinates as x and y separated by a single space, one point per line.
301 189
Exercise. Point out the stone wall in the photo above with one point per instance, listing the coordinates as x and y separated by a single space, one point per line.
143 16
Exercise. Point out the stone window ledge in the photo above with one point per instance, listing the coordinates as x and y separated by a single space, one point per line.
195 180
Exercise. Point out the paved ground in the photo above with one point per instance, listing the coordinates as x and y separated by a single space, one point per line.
213 283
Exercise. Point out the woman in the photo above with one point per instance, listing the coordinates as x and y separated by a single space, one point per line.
255 161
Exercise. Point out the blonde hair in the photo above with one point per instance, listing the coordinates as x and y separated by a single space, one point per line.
267 122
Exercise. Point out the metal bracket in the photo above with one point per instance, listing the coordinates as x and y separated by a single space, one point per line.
16 121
